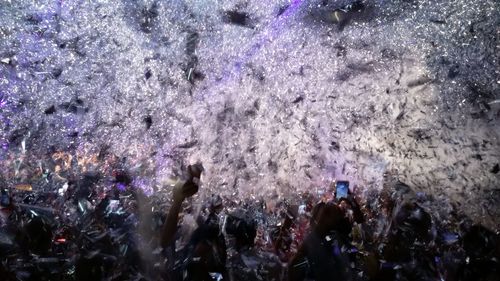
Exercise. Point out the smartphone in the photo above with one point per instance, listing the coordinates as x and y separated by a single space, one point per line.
341 189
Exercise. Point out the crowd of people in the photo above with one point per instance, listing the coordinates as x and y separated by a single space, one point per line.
122 234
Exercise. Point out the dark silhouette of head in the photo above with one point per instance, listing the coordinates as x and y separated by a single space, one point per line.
326 217
243 229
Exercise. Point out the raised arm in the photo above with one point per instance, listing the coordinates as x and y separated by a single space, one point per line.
170 227
356 209
182 190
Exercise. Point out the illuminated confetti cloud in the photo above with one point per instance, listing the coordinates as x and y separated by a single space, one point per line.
272 96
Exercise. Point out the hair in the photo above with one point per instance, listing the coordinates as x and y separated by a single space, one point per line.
326 211
316 212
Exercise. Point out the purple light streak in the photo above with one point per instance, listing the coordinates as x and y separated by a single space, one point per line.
269 34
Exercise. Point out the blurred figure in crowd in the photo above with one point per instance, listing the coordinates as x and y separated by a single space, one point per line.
321 257
205 255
